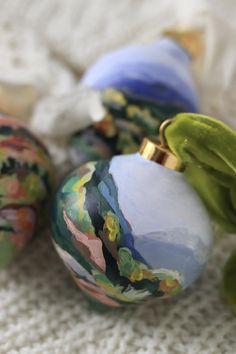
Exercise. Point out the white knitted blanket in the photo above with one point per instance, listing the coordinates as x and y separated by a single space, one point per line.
45 46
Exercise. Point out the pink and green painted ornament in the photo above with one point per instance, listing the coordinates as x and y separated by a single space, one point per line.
26 179
133 228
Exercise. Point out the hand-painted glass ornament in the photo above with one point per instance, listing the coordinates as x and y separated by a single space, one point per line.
26 177
141 86
131 228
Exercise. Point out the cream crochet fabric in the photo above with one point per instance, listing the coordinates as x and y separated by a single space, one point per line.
45 46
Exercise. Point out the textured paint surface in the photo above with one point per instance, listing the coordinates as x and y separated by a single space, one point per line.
156 72
141 86
25 185
129 230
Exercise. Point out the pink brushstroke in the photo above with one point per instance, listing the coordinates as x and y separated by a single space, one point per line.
90 246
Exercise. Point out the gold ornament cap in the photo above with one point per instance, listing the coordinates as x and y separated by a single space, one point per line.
159 152
190 40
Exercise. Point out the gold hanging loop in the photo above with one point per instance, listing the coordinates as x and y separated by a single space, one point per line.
162 129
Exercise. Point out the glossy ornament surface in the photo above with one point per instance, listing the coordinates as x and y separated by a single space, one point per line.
26 177
141 86
130 229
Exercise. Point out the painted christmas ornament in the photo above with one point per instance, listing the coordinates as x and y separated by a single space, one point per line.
141 86
26 177
130 229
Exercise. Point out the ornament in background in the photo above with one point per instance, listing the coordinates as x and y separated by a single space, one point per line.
131 228
141 86
26 181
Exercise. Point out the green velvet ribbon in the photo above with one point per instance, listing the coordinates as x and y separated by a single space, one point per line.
228 285
207 148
